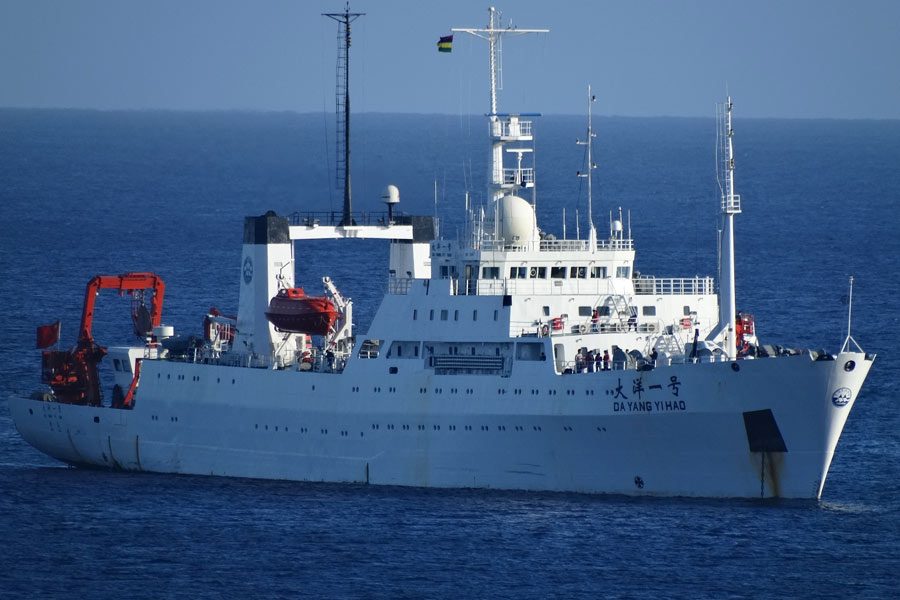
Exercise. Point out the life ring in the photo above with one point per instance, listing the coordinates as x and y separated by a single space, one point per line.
533 272
582 328
545 331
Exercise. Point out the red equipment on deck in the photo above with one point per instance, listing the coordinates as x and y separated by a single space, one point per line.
72 374
745 332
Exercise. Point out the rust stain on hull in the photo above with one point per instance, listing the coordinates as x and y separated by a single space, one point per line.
769 467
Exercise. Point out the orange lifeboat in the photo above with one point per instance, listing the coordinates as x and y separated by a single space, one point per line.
293 311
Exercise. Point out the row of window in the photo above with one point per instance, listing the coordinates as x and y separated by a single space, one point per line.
555 272
445 315
390 426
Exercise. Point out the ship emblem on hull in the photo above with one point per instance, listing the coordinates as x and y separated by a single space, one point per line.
841 397
248 270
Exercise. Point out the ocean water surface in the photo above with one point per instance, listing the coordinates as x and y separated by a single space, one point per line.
85 193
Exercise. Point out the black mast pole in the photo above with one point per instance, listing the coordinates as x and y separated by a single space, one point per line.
343 120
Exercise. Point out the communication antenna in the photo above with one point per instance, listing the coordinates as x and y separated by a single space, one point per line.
342 106
846 347
494 35
592 234
729 207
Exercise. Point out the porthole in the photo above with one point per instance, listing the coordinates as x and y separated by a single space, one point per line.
849 365
735 367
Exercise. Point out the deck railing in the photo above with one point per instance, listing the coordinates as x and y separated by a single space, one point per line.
674 286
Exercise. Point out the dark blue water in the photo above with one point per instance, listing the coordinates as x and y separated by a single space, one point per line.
83 193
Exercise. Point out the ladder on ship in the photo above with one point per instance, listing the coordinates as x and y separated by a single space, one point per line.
668 343
623 310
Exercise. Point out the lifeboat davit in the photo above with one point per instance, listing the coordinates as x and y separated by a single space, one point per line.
293 311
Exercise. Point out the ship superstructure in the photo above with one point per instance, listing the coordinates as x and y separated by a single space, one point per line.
507 358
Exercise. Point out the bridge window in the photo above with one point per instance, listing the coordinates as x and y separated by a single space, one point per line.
577 273
490 272
518 272
557 272
598 272
538 273
624 272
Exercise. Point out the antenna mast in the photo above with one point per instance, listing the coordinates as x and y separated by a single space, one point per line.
592 233
846 347
342 105
494 35
505 129
730 206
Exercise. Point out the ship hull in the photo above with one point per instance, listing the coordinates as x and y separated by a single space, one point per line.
687 430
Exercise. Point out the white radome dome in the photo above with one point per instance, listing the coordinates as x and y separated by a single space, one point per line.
516 220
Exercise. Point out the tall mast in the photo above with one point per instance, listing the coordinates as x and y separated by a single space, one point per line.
505 129
592 234
342 104
730 206
494 35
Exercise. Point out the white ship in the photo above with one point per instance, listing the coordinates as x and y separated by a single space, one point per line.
484 367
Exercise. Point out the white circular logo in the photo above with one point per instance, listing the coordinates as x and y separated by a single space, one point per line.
248 270
841 397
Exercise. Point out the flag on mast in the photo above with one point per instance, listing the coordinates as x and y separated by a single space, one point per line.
445 44
47 335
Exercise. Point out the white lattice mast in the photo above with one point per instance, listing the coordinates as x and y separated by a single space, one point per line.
730 206
592 235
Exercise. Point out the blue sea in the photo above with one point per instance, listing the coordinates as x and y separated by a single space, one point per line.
85 193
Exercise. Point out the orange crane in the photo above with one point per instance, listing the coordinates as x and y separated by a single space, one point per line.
72 374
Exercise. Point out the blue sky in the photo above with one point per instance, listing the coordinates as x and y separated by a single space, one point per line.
789 58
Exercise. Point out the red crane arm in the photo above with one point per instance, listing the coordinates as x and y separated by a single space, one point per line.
125 282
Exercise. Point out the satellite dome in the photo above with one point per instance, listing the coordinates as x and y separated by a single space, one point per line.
516 223
390 195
